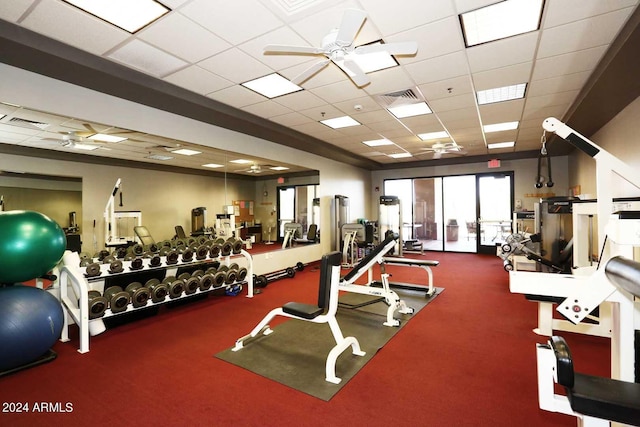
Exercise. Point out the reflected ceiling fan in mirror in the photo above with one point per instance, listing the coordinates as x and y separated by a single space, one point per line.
337 47
254 169
439 149
74 140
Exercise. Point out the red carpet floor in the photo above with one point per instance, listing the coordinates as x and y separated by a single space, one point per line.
467 359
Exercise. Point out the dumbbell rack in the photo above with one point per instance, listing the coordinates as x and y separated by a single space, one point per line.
77 306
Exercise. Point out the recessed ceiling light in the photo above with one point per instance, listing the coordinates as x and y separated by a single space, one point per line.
499 94
400 155
433 135
213 165
279 168
340 122
186 152
501 20
377 142
410 110
159 157
498 127
272 86
126 14
86 147
106 138
241 161
501 145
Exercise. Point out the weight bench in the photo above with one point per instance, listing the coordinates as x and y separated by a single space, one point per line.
425 264
596 400
323 312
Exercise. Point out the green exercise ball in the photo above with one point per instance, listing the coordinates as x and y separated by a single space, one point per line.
31 244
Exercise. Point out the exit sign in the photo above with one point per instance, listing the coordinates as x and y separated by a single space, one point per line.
493 163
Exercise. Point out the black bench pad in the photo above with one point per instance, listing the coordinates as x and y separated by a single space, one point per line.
606 398
411 261
544 298
306 311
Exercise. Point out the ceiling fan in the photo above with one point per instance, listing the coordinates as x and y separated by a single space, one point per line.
439 149
254 168
337 47
73 139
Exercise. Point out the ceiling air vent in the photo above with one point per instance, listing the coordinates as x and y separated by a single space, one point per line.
17 121
401 97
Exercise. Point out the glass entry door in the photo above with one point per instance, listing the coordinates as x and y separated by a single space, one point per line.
495 201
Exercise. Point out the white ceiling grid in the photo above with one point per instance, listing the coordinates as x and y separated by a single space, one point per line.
210 47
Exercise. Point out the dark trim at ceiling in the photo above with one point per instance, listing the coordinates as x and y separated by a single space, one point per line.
31 51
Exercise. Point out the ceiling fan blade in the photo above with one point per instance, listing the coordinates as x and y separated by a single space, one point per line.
90 128
352 20
357 75
306 74
300 50
402 48
437 154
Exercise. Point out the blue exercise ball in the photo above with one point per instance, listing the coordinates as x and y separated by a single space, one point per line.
31 244
31 321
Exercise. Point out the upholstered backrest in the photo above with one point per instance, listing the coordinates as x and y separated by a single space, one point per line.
564 362
144 235
328 261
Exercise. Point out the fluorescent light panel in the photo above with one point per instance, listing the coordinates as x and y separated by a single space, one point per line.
400 155
213 165
159 157
500 94
279 168
501 20
501 145
130 15
499 127
433 135
107 138
186 152
340 122
377 142
86 147
410 110
241 161
272 86
371 62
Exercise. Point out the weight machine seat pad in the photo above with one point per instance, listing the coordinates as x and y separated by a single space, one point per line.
624 273
305 311
411 261
371 256
544 298
605 398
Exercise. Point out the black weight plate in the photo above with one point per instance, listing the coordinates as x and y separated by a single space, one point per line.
214 251
237 246
97 306
137 249
191 285
290 272
201 252
108 259
140 297
136 264
227 248
206 281
202 240
116 267
219 278
172 257
85 262
155 261
187 255
242 274
224 268
231 277
234 266
151 282
93 269
184 276
133 286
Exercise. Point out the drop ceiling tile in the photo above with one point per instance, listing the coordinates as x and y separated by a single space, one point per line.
369 117
563 83
321 111
387 126
340 91
558 98
420 122
301 100
503 53
267 109
12 11
367 104
566 11
174 4
501 112
236 66
87 32
144 57
568 63
355 131
509 135
179 36
446 88
439 68
542 113
217 16
328 75
434 39
531 132
389 80
453 103
311 128
390 18
198 80
468 5
500 77
236 96
277 61
584 34
291 119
